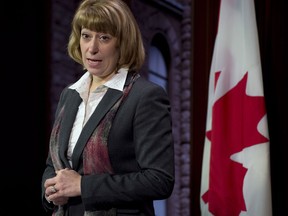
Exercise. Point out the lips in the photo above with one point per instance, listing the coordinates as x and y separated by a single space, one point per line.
93 62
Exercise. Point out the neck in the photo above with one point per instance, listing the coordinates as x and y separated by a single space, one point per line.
98 81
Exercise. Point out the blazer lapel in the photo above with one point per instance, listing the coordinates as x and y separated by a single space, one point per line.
104 106
70 112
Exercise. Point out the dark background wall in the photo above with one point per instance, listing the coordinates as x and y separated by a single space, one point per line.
273 30
23 78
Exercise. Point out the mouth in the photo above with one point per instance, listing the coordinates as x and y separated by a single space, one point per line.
93 62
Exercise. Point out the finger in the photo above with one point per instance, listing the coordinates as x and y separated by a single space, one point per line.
50 181
47 198
53 189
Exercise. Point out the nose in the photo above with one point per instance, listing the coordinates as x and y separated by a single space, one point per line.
93 46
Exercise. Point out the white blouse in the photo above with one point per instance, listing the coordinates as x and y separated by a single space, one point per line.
90 102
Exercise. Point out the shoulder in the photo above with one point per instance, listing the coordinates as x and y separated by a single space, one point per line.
147 85
66 92
144 89
68 95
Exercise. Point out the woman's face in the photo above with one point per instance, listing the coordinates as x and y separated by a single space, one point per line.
99 51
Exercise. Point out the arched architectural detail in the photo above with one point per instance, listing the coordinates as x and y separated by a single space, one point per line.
176 30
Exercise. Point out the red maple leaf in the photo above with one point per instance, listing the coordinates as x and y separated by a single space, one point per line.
235 117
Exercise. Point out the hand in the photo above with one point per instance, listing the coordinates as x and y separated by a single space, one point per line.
66 183
57 201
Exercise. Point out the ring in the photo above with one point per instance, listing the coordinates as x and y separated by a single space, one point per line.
54 190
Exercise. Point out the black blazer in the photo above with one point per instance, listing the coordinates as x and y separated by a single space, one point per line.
140 146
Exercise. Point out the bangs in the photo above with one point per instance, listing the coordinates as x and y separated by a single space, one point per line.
96 21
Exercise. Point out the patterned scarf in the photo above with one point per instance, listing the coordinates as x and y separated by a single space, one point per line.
95 155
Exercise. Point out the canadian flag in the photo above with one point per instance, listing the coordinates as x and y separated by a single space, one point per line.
236 161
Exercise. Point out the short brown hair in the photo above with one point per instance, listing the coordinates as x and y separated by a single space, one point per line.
113 17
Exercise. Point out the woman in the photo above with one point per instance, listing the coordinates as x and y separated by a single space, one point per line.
111 146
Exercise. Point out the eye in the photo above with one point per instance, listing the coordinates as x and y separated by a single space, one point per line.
105 37
85 35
